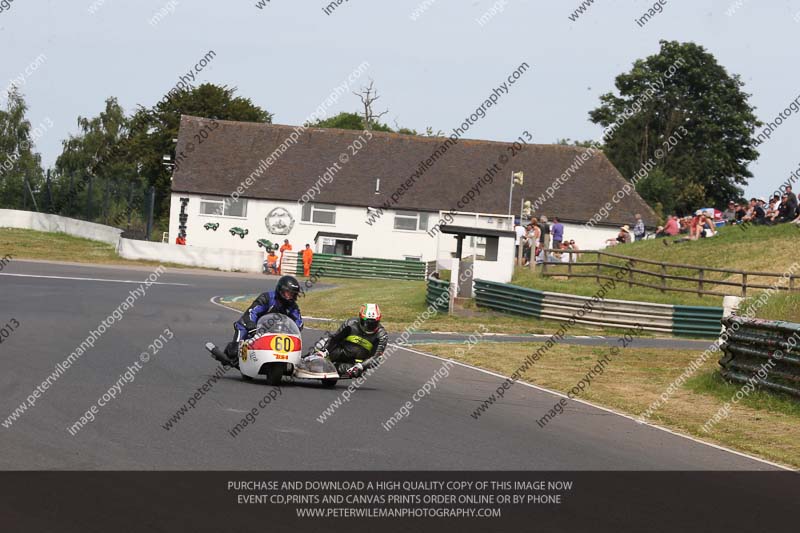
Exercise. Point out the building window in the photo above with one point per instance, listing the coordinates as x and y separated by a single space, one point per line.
319 213
224 208
410 221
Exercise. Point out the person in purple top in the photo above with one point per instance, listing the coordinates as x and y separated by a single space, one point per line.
558 233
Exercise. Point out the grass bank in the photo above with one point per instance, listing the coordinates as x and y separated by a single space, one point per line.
30 244
753 249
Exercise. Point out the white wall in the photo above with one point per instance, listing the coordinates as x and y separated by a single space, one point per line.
378 240
589 238
10 218
230 260
501 270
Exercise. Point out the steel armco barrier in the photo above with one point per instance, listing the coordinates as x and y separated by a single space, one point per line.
767 346
678 320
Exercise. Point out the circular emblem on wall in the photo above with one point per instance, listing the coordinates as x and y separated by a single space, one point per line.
279 221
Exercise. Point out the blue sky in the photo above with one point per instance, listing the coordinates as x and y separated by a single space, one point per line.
433 71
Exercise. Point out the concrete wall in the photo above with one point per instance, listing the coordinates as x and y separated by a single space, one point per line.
229 260
10 218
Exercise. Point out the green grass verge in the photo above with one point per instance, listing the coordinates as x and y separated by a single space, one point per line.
754 249
30 244
763 424
782 306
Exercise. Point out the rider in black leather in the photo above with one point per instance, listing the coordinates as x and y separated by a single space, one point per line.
282 300
358 343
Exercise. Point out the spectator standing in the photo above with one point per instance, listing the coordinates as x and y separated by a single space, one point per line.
285 248
638 228
557 232
537 238
794 208
181 239
520 232
308 257
545 225
527 243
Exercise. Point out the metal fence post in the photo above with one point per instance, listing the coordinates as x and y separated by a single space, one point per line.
630 274
700 283
89 200
49 193
597 260
69 192
150 212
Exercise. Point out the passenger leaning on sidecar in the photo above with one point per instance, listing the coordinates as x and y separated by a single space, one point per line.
358 343
282 300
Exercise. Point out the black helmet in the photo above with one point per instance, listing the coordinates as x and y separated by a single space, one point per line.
287 289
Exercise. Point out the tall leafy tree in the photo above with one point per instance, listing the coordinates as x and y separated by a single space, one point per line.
94 153
17 158
349 121
153 130
570 142
355 121
123 148
701 101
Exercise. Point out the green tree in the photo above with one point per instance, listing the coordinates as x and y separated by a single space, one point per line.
702 106
343 121
152 130
113 146
570 142
17 159
94 153
349 121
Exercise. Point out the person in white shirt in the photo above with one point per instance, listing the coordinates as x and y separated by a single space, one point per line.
520 231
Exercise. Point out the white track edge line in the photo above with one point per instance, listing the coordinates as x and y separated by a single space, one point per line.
629 417
92 279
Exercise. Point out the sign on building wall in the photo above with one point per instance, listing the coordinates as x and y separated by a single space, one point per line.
279 221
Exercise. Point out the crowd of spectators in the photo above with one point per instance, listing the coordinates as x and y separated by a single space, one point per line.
539 235
781 208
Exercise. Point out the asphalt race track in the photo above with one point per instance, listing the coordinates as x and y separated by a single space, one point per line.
55 314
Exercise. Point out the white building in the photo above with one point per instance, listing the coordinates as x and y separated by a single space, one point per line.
372 194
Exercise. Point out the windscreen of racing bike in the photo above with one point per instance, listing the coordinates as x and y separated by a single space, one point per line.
276 323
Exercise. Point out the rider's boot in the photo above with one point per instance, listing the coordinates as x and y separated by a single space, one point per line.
232 353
